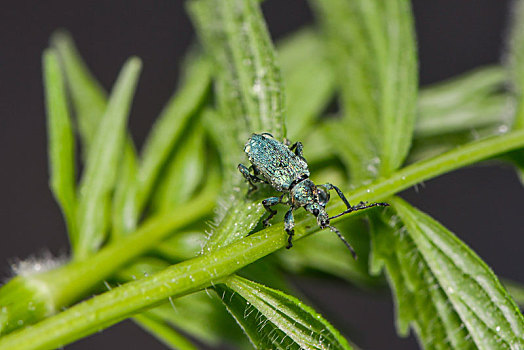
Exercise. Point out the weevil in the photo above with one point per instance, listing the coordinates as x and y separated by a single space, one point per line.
284 167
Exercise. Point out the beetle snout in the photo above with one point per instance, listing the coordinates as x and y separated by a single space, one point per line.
323 219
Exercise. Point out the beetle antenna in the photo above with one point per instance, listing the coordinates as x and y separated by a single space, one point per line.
334 229
358 207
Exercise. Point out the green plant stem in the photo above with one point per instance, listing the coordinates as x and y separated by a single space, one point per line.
457 158
73 281
201 272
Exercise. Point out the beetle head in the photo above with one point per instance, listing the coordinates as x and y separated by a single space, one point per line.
318 207
320 212
313 199
323 196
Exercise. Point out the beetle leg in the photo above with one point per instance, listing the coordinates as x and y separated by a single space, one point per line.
250 178
256 172
289 223
329 186
298 148
359 206
268 203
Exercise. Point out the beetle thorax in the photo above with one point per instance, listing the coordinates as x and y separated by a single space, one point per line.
303 193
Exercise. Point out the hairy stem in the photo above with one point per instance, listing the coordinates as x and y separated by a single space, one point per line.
201 272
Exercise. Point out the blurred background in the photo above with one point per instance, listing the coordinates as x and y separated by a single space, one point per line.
483 205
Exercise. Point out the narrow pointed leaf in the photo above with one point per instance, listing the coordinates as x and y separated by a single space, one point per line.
469 107
473 100
216 126
249 95
90 102
61 145
515 61
308 79
462 288
172 121
372 47
88 97
102 163
516 290
274 320
515 64
124 210
235 35
184 173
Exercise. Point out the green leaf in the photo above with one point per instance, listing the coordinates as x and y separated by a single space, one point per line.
372 47
441 284
274 320
189 313
102 163
61 144
185 172
431 146
250 99
234 33
308 79
90 102
169 126
88 97
125 211
473 100
216 128
360 152
418 300
516 290
164 332
515 65
515 61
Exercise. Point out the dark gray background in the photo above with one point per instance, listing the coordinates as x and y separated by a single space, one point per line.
483 205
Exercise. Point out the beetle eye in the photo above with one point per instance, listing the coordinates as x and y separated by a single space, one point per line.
315 212
323 196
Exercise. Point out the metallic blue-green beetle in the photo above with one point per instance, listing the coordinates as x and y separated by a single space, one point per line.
285 169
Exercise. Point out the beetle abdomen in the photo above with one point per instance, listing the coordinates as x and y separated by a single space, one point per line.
275 162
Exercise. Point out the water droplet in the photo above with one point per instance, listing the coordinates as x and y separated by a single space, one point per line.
257 87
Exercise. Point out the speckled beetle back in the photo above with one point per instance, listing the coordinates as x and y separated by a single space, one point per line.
275 162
